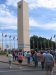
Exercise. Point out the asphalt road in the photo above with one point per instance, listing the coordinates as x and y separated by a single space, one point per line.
19 70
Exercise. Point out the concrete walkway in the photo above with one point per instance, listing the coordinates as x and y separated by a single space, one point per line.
4 59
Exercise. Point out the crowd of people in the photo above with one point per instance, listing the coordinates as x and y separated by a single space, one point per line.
47 59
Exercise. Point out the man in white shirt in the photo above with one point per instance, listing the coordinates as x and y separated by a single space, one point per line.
10 59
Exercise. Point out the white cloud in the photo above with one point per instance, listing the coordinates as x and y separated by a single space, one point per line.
9 22
35 3
8 27
7 18
48 26
12 2
47 3
32 3
42 3
4 11
32 22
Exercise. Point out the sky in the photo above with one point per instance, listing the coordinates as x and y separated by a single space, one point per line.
42 18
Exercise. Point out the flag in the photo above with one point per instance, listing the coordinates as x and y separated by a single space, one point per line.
2 34
51 38
54 36
13 38
10 36
5 35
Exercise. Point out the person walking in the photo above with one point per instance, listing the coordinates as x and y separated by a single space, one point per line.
35 59
13 53
42 60
49 63
20 57
10 58
55 57
28 57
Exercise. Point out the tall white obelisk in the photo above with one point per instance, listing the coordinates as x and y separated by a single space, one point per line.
23 26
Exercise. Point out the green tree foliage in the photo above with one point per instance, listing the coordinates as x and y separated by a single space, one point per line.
38 43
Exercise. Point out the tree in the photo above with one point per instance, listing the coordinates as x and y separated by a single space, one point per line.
40 43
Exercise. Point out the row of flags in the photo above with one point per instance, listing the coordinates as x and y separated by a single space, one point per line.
9 36
17 38
53 37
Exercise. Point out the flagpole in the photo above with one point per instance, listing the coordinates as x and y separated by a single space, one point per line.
14 41
2 41
55 40
44 44
33 43
5 41
10 41
37 44
48 43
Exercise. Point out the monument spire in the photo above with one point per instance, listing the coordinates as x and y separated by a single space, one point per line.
23 26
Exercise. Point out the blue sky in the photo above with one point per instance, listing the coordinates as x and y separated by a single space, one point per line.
42 17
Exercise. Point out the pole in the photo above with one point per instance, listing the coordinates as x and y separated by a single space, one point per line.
55 40
10 41
14 42
48 43
37 44
33 43
44 44
5 41
2 41
41 44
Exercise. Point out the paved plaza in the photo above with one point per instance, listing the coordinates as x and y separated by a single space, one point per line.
16 69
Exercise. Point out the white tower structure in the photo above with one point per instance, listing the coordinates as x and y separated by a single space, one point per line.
23 26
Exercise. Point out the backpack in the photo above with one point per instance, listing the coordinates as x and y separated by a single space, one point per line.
20 57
